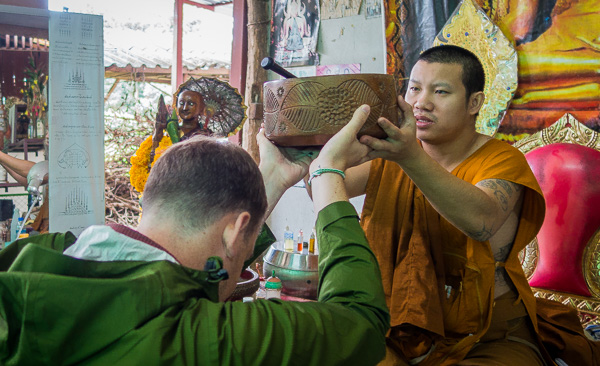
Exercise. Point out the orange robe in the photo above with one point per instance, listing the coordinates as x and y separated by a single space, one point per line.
439 283
41 222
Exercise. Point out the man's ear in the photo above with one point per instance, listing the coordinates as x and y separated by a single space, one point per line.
235 229
476 102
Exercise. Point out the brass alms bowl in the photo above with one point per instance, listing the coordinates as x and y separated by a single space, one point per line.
308 111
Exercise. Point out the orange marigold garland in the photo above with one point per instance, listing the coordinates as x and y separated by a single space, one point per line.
138 174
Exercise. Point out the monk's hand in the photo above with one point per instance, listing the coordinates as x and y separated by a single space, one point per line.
344 150
281 167
401 141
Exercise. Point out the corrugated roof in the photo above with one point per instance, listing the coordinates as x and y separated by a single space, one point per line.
155 58
206 42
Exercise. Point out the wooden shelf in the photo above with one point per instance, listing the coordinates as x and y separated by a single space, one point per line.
6 186
26 145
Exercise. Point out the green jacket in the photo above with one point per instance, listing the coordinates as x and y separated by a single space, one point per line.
58 310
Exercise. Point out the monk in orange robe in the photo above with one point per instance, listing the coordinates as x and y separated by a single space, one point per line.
446 212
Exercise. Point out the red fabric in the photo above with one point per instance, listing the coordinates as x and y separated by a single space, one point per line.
569 176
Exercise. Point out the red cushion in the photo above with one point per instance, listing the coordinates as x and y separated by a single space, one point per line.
569 176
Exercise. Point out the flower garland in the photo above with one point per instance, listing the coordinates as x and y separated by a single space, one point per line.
138 174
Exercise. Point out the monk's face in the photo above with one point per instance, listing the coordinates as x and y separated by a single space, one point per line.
189 107
439 100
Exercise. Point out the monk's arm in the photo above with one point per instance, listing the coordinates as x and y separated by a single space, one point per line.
476 210
355 182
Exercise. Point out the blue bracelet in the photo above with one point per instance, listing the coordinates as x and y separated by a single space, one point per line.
318 172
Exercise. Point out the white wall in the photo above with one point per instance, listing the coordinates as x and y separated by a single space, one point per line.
341 41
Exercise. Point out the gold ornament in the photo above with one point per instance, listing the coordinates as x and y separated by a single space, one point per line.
470 28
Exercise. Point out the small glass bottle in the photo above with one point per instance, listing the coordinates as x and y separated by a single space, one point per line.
288 240
311 242
39 129
300 241
273 287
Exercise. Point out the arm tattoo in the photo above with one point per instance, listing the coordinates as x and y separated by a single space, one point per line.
506 186
481 235
501 277
502 199
488 184
501 254
503 190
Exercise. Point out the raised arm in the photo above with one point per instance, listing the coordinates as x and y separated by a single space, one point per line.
341 152
478 210
348 324
279 170
17 168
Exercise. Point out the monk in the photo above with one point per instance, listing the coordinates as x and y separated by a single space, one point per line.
447 211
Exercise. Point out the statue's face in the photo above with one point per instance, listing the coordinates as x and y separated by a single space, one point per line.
189 106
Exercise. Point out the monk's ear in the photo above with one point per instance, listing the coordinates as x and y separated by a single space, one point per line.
475 102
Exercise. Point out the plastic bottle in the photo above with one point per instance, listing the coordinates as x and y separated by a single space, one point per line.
300 241
273 287
260 294
18 230
14 225
288 240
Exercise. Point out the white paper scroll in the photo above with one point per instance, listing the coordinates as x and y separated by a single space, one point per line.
76 121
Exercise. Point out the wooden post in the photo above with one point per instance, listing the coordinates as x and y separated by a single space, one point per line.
239 54
258 46
176 65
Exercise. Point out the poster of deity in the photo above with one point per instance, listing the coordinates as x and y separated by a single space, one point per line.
294 30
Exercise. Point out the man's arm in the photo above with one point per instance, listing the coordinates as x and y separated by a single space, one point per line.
17 168
479 210
279 171
356 180
348 324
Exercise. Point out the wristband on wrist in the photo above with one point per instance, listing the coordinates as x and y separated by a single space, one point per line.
320 171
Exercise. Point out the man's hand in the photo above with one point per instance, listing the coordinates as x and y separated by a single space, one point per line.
344 150
280 168
401 141
286 166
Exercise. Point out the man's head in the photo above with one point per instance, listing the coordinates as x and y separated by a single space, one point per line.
473 76
203 198
446 92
